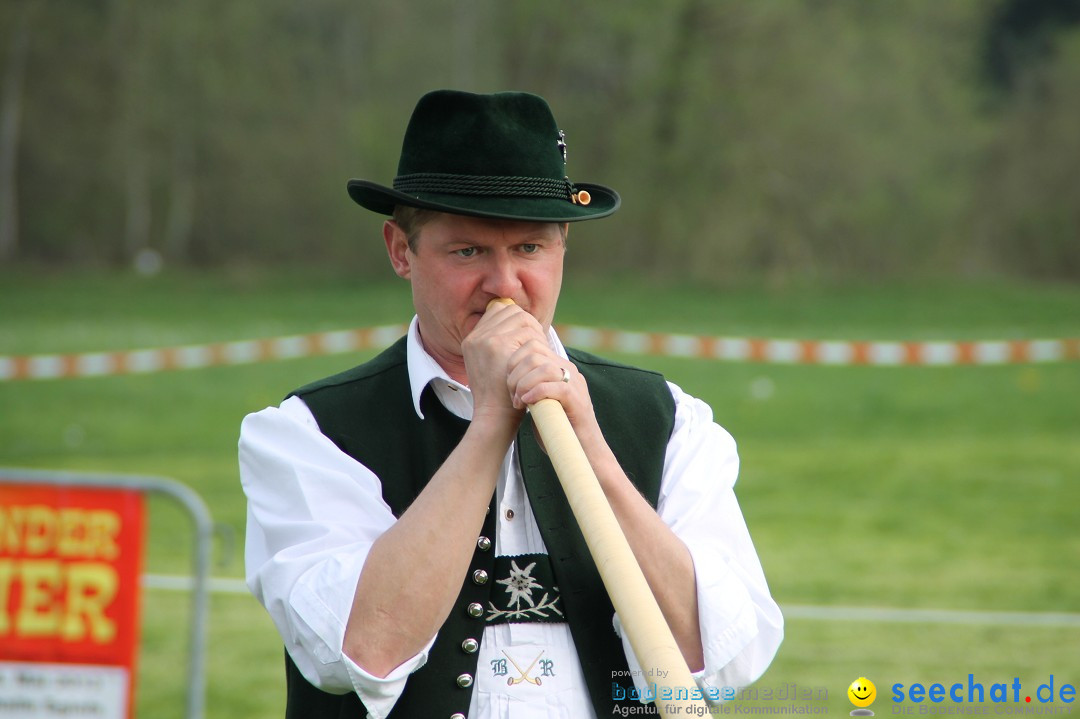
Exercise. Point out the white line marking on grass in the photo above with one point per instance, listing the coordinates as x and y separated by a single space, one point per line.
182 583
930 616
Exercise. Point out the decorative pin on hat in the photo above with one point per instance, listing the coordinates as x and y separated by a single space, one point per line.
486 156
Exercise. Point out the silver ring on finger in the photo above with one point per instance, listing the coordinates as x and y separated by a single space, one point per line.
565 375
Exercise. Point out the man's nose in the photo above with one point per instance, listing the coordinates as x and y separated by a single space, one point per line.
501 278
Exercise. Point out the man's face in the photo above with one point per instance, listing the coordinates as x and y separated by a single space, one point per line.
462 263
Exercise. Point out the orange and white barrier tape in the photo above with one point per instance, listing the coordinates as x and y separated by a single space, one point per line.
731 349
823 352
103 364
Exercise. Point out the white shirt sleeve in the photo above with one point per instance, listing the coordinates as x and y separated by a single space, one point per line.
313 514
741 624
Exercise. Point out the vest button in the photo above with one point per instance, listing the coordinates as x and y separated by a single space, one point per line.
457 715
470 646
464 680
480 577
483 544
475 610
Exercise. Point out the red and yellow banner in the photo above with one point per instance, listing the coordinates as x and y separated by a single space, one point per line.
70 561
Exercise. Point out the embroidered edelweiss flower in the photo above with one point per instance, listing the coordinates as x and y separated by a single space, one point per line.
520 584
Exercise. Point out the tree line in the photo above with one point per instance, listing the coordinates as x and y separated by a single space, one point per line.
821 138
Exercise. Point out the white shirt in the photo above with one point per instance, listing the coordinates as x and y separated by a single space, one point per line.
314 513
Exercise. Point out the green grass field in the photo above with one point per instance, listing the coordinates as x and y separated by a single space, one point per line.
943 488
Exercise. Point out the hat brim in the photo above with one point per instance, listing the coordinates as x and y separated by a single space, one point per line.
381 199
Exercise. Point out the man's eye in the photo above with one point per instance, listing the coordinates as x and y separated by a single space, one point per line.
530 248
465 252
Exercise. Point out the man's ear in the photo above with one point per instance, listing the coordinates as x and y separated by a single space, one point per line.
397 247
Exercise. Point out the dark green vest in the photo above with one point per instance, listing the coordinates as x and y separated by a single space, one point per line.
368 413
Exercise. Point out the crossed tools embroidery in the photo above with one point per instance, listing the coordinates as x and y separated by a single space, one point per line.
498 667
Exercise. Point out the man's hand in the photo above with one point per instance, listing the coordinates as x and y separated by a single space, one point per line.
511 365
500 335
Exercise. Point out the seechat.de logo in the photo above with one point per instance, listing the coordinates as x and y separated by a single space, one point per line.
975 692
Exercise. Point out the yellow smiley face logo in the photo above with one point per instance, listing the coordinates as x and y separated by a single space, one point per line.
862 692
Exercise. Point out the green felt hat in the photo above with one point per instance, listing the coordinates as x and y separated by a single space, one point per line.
498 155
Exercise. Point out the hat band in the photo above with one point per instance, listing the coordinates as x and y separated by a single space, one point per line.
484 185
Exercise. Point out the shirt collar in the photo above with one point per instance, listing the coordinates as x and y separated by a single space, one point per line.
424 370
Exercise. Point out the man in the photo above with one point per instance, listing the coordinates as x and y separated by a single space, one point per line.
406 531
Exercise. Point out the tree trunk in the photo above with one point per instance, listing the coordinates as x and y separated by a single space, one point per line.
10 116
180 214
464 34
131 60
667 132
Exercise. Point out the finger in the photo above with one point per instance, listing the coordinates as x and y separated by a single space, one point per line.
533 352
503 329
509 319
556 381
533 362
